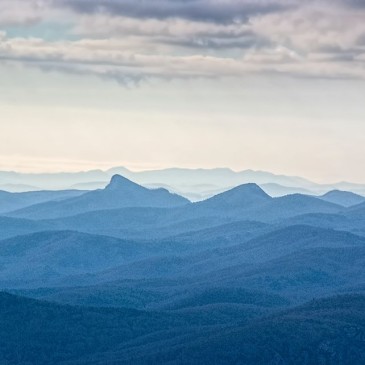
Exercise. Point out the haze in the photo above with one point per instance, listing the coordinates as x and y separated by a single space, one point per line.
269 85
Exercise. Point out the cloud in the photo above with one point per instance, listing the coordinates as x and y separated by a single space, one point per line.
113 59
177 32
133 41
18 12
353 3
219 11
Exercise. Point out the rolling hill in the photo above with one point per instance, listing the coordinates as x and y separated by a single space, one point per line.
344 198
14 201
295 252
329 331
41 333
10 227
43 257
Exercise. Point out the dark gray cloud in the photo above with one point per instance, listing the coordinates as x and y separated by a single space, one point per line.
360 41
198 10
215 44
218 41
353 3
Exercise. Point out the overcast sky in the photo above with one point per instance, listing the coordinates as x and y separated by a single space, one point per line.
275 85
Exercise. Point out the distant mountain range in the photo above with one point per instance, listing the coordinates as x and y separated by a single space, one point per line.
14 201
194 184
126 209
119 193
129 274
116 209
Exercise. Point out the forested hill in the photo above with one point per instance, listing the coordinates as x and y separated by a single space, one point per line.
329 331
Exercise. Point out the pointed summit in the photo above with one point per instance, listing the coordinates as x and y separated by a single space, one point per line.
250 188
119 182
119 193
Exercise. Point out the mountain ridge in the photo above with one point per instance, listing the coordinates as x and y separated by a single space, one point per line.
344 198
119 193
184 181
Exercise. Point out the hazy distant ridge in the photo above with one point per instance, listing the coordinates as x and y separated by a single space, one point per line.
194 184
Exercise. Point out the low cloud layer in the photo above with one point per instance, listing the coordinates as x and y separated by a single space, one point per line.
133 40
217 11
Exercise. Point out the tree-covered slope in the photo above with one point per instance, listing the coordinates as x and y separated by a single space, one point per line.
327 331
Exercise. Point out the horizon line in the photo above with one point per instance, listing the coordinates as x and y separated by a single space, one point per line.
128 169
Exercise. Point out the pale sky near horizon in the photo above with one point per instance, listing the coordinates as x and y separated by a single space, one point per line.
272 85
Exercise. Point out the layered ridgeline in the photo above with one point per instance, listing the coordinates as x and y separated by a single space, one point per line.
14 201
151 278
246 202
45 257
194 184
298 259
119 193
126 209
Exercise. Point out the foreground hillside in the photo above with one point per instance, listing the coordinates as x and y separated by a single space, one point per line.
329 331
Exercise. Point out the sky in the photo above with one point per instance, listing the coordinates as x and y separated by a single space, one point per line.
275 85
